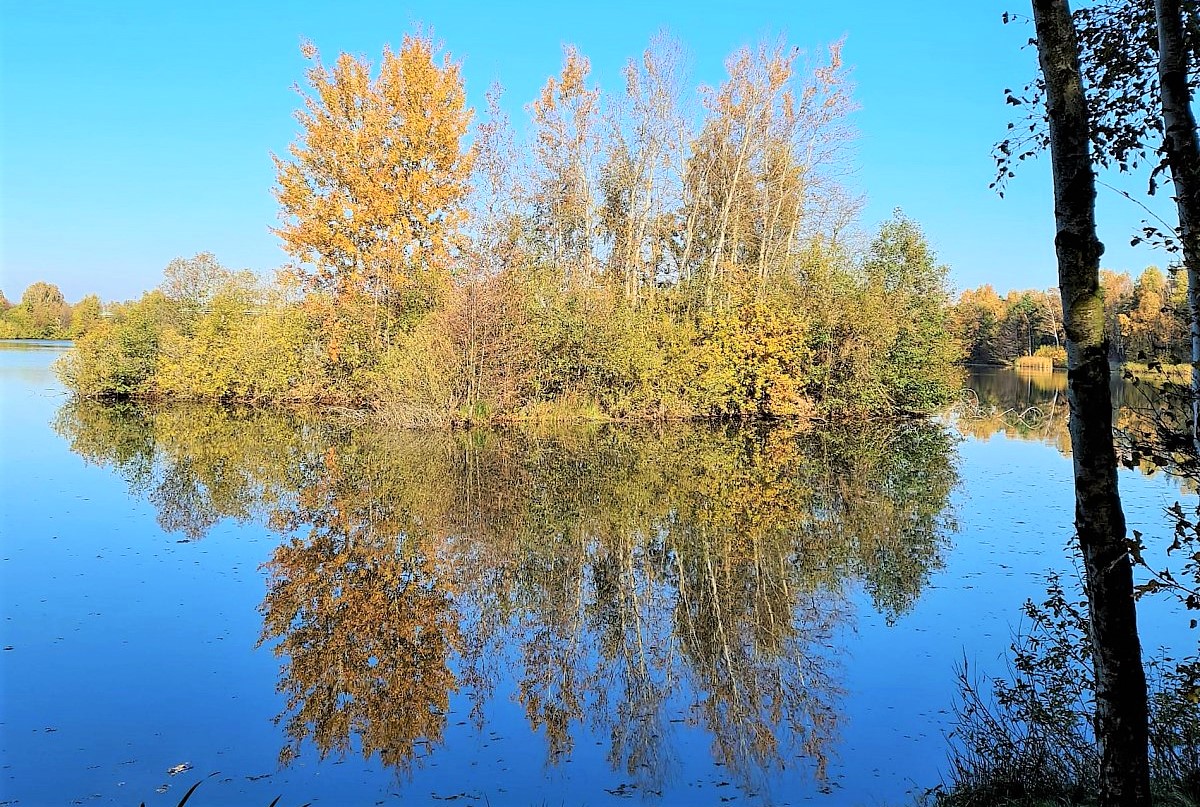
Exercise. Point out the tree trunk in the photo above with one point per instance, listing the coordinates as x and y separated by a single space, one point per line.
1121 709
1183 158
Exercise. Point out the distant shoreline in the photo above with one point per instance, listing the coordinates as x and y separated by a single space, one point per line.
37 343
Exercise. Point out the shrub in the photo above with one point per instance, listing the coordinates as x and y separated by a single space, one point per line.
1056 354
118 359
1030 740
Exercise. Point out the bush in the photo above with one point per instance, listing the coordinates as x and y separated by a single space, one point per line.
1056 354
414 386
752 361
244 347
118 359
1030 740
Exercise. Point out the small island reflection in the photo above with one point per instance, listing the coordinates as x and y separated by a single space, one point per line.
638 582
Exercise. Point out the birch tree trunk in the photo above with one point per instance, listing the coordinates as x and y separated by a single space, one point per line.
1121 709
1183 158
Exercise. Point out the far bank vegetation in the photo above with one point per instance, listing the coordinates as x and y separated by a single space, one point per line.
1145 321
43 313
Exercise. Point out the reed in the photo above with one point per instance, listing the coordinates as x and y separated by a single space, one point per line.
1034 364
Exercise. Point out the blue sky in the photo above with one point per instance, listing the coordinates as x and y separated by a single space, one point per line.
135 132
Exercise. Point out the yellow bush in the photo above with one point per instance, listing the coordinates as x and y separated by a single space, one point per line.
415 381
1056 354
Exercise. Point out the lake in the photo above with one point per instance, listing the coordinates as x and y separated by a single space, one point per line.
294 605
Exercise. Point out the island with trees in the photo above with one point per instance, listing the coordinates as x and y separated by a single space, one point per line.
634 259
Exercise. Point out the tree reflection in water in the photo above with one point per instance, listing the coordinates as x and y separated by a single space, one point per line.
1027 405
637 582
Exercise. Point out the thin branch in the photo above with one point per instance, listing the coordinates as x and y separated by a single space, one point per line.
1138 202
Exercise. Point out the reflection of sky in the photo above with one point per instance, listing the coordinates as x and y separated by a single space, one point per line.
1015 508
132 652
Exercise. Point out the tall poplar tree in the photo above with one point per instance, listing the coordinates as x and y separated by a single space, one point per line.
566 121
372 195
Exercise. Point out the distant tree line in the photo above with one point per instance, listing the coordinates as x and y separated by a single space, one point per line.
653 253
997 330
1146 320
43 313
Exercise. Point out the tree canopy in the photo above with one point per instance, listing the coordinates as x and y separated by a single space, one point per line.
629 260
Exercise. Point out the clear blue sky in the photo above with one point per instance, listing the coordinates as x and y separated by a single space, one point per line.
135 132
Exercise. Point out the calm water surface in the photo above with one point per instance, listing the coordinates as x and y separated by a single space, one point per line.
316 609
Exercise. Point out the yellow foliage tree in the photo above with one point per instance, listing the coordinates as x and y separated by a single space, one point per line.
372 195
1148 325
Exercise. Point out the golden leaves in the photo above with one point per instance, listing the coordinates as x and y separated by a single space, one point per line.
372 194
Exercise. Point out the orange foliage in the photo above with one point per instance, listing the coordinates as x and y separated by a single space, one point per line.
372 195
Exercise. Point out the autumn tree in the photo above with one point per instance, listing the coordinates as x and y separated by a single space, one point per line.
771 132
1022 319
1049 304
641 178
566 120
496 239
85 315
1148 326
1117 288
44 310
469 358
732 145
372 194
903 272
1121 712
193 282
976 318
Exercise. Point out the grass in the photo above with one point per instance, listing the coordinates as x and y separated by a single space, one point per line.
1026 739
568 409
1157 371
1034 364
